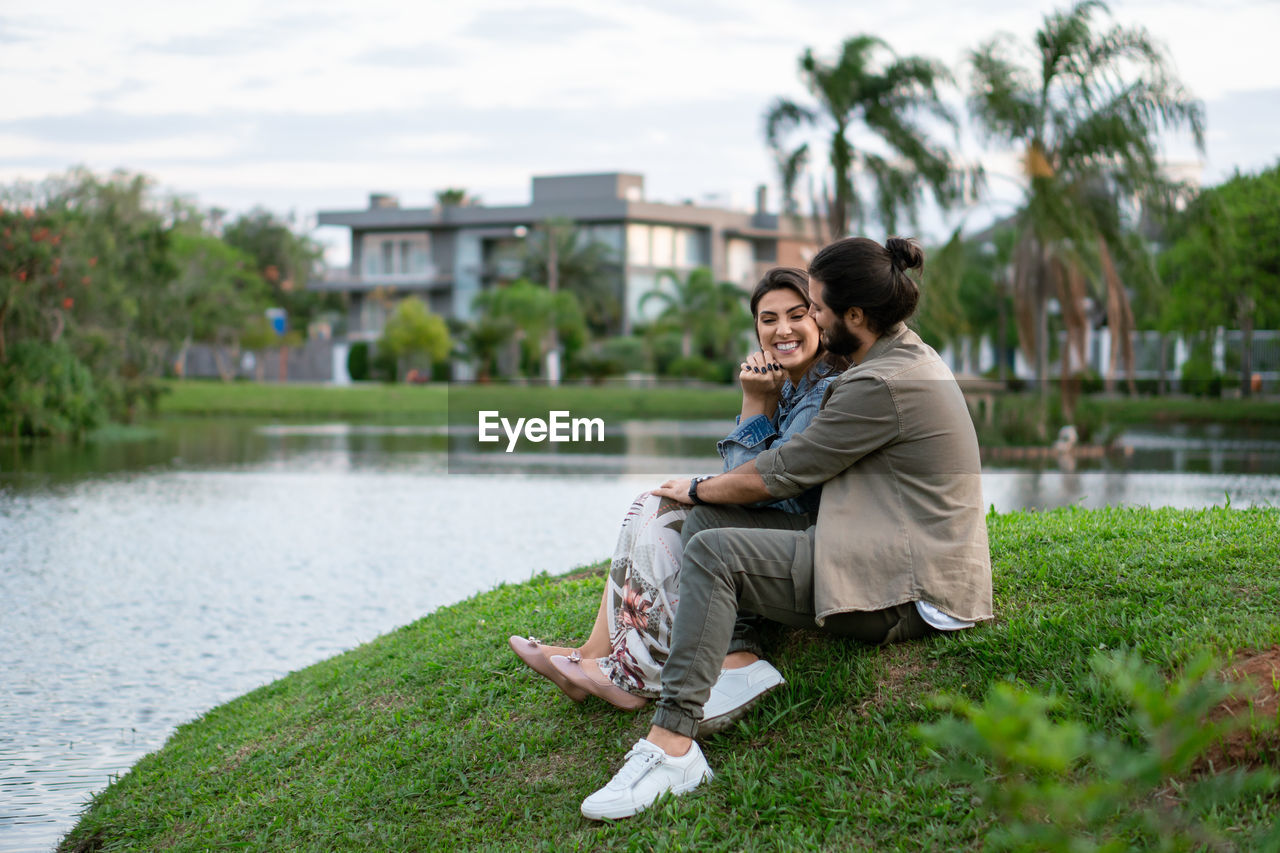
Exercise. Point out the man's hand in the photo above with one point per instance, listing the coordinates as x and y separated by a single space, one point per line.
677 490
742 485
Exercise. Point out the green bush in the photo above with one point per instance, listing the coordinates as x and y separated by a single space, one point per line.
358 362
696 368
1198 376
665 350
1053 783
611 357
46 391
384 365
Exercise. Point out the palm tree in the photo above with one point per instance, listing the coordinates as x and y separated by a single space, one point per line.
1084 106
521 315
867 86
706 312
588 269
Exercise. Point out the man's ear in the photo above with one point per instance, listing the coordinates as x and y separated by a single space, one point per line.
855 318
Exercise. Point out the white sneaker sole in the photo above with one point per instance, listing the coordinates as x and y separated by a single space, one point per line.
632 811
715 725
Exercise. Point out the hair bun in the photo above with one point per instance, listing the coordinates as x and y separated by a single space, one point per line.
905 253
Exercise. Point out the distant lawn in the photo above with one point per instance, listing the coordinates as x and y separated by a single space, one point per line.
435 737
1016 419
1131 410
371 401
432 404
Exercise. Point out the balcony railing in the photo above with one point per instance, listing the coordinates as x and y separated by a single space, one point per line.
347 279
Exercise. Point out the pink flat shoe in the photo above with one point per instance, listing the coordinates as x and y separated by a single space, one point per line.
571 670
529 650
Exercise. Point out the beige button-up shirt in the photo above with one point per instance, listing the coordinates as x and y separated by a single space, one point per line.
897 456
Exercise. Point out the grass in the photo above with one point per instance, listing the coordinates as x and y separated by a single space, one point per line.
1131 410
436 403
1097 417
435 737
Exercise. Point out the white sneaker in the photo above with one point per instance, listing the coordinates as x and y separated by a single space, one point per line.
647 774
733 694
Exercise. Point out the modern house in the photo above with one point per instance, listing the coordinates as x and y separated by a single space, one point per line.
446 255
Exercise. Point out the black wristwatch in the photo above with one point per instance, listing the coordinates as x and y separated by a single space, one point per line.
693 488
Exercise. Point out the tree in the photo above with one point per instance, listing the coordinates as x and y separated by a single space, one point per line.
114 253
45 388
1084 106
868 87
521 314
216 294
967 294
1222 264
585 268
414 334
286 261
454 197
708 314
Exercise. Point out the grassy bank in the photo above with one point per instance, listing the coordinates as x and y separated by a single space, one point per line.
433 404
1145 410
434 737
1015 417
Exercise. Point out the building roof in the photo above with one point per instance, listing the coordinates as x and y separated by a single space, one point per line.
604 197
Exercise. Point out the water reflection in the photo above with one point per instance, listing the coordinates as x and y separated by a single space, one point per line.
148 578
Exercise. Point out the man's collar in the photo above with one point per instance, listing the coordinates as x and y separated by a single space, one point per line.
885 342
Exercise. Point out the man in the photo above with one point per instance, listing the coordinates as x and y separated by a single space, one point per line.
899 549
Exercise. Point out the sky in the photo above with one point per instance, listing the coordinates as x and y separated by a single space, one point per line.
309 106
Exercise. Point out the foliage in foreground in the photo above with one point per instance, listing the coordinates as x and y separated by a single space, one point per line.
435 737
1056 785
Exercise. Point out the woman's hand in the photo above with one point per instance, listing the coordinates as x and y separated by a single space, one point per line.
761 377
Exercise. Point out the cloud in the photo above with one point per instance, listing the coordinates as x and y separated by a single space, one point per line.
11 32
269 34
537 24
421 55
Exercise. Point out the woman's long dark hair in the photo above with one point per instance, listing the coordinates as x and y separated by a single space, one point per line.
790 278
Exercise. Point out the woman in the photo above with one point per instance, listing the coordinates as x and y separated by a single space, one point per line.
782 389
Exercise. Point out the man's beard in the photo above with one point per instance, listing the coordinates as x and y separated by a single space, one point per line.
840 340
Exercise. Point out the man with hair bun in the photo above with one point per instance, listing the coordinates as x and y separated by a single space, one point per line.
899 550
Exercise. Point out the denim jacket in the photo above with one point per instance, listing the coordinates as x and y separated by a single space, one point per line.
796 407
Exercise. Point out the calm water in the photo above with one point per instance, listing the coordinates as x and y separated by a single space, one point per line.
144 581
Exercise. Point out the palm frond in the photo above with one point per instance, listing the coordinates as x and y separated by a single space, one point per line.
1001 94
782 118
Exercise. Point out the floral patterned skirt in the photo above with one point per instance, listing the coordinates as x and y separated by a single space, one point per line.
642 592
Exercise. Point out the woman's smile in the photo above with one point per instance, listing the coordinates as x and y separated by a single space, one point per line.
786 329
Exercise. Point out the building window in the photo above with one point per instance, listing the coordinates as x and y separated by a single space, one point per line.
608 235
664 245
638 254
690 248
741 260
404 255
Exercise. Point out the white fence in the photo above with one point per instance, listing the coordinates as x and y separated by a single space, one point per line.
978 356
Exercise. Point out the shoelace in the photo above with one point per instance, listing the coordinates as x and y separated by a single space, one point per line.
632 771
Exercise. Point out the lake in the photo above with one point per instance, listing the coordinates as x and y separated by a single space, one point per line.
150 577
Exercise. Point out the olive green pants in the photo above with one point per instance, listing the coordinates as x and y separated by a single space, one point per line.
744 560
